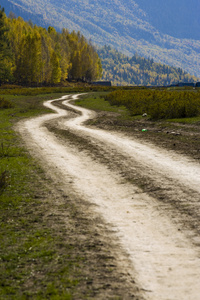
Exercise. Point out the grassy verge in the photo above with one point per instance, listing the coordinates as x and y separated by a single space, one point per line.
193 120
96 102
28 243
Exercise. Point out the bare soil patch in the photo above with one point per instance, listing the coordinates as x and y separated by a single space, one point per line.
182 138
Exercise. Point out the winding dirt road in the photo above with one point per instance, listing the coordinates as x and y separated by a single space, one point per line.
149 196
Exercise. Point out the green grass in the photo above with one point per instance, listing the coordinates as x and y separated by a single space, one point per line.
72 88
96 102
193 120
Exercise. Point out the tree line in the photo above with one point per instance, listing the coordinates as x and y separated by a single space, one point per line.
137 70
32 55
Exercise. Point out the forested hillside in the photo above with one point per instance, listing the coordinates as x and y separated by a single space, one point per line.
167 31
136 70
32 55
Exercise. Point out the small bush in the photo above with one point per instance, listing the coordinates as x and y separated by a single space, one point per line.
5 103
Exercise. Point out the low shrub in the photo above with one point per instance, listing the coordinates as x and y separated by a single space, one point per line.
158 104
4 103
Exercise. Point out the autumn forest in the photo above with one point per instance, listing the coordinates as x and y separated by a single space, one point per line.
32 55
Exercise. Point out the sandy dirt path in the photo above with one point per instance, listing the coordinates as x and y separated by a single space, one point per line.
164 254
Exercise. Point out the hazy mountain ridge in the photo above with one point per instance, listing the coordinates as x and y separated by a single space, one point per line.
126 25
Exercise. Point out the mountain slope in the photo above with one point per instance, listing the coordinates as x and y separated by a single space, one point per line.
136 70
127 25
